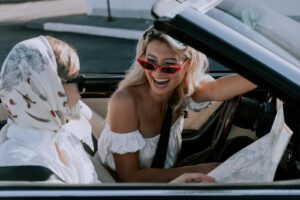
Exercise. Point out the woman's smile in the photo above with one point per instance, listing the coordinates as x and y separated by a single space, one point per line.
161 82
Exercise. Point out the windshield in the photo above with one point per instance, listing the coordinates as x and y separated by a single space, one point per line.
264 24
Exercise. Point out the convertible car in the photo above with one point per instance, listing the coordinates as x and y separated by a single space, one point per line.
239 37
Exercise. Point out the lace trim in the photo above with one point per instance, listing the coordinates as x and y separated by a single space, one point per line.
197 106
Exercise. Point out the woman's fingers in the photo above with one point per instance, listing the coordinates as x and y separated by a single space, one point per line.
198 177
193 178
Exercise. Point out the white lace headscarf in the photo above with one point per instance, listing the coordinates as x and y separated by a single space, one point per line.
33 94
30 88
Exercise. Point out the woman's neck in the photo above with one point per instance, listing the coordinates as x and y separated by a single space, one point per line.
161 100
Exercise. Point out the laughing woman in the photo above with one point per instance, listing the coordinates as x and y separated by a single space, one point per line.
167 77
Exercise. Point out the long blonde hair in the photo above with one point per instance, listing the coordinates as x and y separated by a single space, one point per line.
198 64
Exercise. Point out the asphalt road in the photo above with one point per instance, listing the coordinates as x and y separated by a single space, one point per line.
97 54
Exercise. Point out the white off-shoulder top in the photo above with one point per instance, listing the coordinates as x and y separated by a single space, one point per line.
121 143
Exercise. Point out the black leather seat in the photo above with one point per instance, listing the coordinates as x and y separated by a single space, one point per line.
24 173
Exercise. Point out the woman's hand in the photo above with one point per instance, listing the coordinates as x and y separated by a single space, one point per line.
193 178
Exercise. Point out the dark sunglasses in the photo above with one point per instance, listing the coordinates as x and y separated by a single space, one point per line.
79 80
168 69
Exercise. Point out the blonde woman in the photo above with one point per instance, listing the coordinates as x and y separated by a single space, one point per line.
166 74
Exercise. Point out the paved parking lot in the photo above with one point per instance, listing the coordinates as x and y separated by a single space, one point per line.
97 54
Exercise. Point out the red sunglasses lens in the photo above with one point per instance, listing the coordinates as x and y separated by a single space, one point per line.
147 65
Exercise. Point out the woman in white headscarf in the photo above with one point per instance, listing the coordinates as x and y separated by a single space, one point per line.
37 90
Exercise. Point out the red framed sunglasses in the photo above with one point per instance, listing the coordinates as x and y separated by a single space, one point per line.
168 69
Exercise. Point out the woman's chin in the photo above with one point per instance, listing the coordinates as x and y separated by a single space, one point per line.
160 89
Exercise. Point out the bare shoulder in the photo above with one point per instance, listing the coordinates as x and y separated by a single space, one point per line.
122 97
123 100
122 115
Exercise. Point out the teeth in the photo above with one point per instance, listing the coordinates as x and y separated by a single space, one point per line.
161 80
